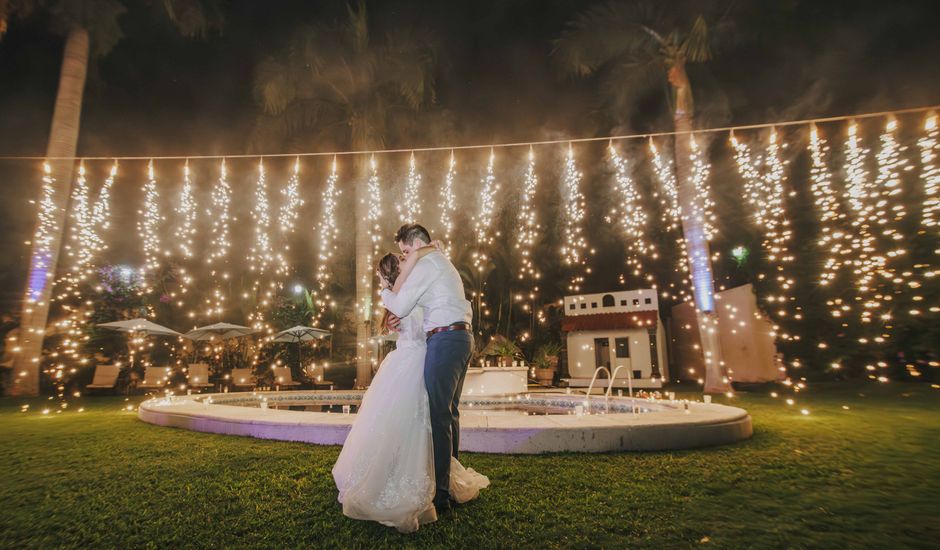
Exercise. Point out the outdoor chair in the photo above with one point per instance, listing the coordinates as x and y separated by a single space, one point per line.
283 378
198 376
155 378
243 378
106 377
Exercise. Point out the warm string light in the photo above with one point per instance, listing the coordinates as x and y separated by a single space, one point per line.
185 232
186 216
672 219
483 221
930 173
889 210
448 205
528 223
764 177
219 244
632 216
329 234
833 240
287 218
82 245
703 207
867 262
574 249
526 237
373 221
148 226
410 211
260 256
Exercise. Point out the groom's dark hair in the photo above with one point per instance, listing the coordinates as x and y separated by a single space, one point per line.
411 231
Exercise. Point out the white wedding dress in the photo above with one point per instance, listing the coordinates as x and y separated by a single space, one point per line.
385 472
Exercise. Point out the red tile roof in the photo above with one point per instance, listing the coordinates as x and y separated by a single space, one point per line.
610 321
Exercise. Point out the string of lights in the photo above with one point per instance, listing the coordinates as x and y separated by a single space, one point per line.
574 249
448 205
632 217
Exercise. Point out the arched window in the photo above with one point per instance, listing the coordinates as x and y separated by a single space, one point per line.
608 301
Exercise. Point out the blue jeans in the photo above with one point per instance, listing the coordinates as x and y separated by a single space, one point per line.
445 367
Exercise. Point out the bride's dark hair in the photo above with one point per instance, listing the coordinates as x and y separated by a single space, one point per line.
389 268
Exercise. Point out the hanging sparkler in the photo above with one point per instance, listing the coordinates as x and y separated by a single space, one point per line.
448 205
101 212
866 260
219 243
148 225
528 223
764 176
259 258
186 212
631 215
930 173
80 249
574 248
329 234
889 211
410 211
672 219
833 239
287 220
484 218
704 206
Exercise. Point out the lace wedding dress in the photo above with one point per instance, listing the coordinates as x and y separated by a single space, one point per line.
385 472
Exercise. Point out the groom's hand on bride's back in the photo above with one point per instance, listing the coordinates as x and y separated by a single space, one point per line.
392 323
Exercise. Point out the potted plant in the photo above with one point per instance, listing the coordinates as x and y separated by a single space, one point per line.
546 363
504 349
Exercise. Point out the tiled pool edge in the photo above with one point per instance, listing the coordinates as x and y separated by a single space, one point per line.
706 425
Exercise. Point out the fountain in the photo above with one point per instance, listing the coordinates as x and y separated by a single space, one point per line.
517 423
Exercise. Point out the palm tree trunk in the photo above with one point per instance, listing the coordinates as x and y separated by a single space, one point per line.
365 292
693 230
63 140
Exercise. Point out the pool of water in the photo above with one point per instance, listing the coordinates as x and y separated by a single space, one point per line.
469 407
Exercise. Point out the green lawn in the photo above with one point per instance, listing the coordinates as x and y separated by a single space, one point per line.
864 477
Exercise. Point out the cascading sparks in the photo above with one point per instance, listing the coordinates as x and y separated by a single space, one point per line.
483 221
929 146
410 211
149 225
672 219
287 218
219 244
632 216
329 234
448 205
574 248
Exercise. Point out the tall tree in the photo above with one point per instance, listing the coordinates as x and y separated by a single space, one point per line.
337 82
91 29
629 46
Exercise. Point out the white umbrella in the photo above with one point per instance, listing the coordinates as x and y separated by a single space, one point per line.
222 330
142 326
300 334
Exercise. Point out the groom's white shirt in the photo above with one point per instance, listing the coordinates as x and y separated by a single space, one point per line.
435 286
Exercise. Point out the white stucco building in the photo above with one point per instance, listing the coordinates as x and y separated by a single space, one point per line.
614 329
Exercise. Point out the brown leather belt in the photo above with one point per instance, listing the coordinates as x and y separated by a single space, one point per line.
462 325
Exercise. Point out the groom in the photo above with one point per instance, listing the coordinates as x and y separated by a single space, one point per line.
435 286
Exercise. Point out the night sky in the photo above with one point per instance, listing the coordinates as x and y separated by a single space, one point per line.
159 94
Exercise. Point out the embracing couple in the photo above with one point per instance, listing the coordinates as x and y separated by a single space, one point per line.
399 463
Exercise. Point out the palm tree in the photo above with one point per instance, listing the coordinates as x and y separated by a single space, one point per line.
91 28
336 82
630 46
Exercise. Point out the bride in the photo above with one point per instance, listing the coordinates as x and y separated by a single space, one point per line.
385 472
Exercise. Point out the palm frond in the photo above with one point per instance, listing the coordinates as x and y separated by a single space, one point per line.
695 48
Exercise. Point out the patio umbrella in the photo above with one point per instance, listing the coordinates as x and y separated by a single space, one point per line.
143 326
300 334
223 330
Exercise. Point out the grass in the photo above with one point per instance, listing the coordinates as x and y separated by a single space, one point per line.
864 477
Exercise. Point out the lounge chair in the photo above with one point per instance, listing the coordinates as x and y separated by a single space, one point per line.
155 378
283 378
106 377
198 376
317 375
243 378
